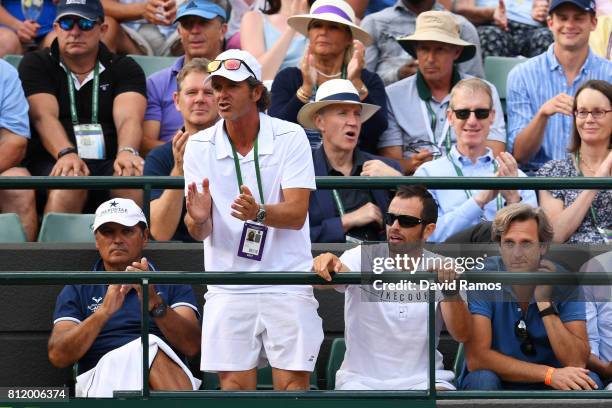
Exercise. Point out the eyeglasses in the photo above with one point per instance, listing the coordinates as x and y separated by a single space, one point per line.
67 23
464 114
405 221
596 114
232 64
527 346
419 145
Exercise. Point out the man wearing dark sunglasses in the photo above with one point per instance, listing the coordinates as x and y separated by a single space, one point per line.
251 173
526 337
385 334
86 106
471 115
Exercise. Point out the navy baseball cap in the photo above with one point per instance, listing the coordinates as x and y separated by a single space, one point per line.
89 9
200 8
586 5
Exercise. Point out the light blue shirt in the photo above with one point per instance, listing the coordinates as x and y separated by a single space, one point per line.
534 82
456 211
599 309
13 104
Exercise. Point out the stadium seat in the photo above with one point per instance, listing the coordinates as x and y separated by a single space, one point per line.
11 229
336 356
496 72
458 364
60 227
14 60
151 65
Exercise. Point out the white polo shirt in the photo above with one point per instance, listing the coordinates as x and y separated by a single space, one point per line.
386 335
285 162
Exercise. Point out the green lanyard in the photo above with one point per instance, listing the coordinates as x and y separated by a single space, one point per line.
433 123
94 96
577 158
239 173
468 193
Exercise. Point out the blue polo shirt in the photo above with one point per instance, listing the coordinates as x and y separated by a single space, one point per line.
77 302
160 105
160 162
504 311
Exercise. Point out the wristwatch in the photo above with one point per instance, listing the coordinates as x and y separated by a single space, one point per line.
128 149
159 310
550 310
261 215
66 151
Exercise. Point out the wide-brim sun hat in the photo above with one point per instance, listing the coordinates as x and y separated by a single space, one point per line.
440 26
337 11
333 92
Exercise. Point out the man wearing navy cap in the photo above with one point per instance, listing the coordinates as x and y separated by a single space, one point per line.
201 27
86 106
541 91
99 325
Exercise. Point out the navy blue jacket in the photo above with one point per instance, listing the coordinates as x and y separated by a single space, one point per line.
325 224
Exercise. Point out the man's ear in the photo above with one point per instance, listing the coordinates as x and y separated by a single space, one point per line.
175 98
319 121
257 92
103 28
145 237
428 230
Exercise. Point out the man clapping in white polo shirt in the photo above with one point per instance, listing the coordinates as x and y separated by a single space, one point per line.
248 181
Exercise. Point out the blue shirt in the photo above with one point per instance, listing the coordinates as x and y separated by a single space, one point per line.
160 105
13 104
77 302
538 80
504 312
456 211
46 18
160 162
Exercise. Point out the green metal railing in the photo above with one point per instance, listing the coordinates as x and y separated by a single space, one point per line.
417 399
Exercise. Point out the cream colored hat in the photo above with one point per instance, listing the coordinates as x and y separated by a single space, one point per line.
337 11
440 26
333 92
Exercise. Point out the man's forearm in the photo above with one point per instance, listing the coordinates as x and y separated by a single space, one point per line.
602 368
166 214
182 333
129 134
124 12
476 15
457 318
570 350
529 140
12 149
198 231
507 368
52 134
287 215
68 347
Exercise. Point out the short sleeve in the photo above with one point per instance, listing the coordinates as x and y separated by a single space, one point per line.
129 77
352 259
298 168
154 99
478 305
13 104
570 311
67 306
182 295
34 73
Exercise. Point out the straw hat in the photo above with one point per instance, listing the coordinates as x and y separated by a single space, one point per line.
439 26
337 11
333 92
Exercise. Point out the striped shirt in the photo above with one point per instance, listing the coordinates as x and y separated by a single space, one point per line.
538 80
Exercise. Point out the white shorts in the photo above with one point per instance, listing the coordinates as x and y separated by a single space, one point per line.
242 331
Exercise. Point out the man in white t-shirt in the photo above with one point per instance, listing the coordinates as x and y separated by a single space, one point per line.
386 330
250 176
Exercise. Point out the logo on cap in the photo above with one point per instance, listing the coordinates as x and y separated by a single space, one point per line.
113 203
191 5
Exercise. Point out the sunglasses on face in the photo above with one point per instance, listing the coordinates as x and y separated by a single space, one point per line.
405 221
527 346
463 114
67 23
232 64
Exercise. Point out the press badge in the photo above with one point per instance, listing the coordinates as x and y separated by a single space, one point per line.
90 141
252 241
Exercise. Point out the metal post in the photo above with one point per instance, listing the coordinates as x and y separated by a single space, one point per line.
146 201
144 329
431 337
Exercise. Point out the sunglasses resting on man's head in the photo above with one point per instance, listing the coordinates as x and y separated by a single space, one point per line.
232 64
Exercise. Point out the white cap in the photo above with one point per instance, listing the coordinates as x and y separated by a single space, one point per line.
241 73
120 210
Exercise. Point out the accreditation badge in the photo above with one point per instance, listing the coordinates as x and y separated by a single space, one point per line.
606 234
90 141
252 241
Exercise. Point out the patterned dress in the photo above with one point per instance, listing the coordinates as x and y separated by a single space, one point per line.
602 204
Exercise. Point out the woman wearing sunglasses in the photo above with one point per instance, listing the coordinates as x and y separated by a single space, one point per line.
471 114
345 215
584 216
336 51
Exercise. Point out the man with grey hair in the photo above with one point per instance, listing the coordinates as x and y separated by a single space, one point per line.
527 340
471 113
